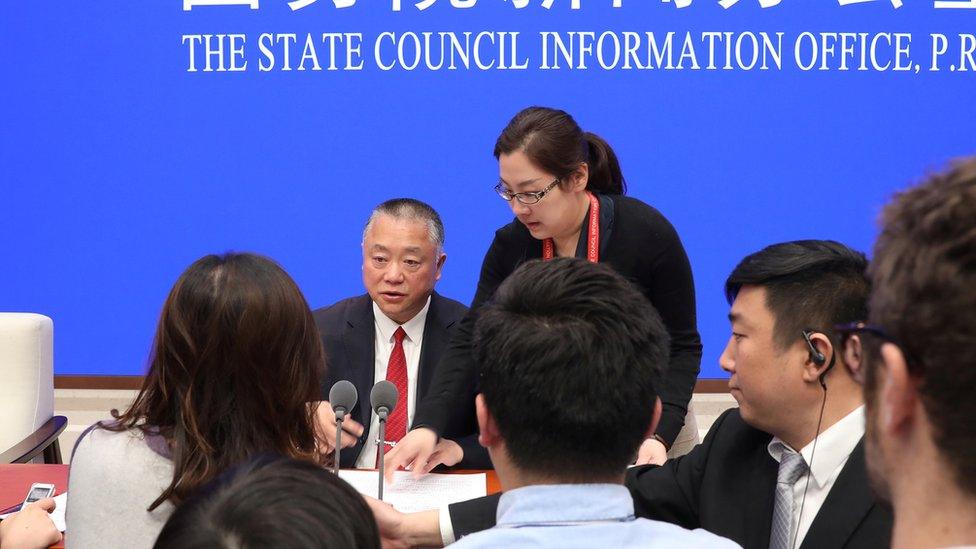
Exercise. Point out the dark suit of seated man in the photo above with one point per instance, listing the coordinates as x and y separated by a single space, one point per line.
762 477
396 331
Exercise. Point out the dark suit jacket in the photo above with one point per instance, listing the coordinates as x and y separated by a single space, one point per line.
348 330
726 485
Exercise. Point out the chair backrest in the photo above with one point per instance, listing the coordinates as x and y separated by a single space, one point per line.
26 375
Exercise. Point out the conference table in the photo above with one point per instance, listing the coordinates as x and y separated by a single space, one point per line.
15 480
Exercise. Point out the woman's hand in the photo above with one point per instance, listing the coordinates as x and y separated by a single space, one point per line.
651 452
30 527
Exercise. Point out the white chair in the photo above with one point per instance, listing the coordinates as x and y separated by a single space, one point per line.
28 426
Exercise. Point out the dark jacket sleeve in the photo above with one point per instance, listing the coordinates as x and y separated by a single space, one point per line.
474 515
670 287
672 491
475 455
456 376
326 322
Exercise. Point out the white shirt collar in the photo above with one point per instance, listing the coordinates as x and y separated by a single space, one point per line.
834 446
413 327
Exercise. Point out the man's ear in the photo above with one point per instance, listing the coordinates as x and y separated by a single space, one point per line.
897 396
488 430
822 344
655 418
440 265
853 356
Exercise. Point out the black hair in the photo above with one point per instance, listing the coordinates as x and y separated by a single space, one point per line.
553 141
570 355
810 284
272 501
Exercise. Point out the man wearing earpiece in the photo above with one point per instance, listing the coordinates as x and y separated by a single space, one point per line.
797 489
762 477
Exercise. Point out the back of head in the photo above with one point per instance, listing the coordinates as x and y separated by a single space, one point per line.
554 142
236 359
810 284
570 355
924 295
272 502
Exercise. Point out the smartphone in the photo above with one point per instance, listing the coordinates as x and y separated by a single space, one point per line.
38 492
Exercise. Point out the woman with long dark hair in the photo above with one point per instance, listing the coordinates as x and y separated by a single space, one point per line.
566 190
235 361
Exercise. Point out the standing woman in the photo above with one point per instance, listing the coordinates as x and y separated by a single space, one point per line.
567 193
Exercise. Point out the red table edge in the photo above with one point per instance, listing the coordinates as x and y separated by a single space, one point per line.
23 475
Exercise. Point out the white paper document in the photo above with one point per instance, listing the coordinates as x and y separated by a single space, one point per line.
57 516
429 492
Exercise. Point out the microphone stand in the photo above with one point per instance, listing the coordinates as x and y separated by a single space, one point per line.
381 451
339 417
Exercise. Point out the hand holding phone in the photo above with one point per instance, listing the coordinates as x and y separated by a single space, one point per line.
37 492
32 526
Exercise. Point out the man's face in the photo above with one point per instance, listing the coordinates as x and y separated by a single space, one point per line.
400 266
765 379
874 448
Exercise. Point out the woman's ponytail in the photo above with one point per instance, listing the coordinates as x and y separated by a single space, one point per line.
605 174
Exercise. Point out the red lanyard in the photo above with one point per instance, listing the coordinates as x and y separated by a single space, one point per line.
592 235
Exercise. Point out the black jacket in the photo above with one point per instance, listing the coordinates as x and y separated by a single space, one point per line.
642 246
348 330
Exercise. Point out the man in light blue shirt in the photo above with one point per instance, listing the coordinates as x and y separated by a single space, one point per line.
565 348
581 515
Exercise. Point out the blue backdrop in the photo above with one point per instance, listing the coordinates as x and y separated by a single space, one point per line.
119 166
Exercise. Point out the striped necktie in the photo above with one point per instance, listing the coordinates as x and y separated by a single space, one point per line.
396 373
791 468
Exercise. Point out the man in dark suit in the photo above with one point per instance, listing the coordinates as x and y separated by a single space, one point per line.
397 331
786 469
763 476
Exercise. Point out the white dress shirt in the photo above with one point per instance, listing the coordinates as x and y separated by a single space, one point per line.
383 347
834 446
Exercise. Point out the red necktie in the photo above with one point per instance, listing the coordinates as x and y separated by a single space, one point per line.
396 373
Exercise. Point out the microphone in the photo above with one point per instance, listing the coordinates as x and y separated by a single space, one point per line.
383 397
343 397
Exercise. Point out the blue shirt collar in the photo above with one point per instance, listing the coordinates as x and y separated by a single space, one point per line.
564 502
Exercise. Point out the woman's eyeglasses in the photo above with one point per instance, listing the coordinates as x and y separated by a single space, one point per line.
526 197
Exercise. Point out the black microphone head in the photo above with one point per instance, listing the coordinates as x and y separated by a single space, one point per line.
343 397
384 397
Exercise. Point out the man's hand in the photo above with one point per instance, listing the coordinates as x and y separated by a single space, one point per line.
325 428
400 530
413 452
447 452
390 522
30 528
651 452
